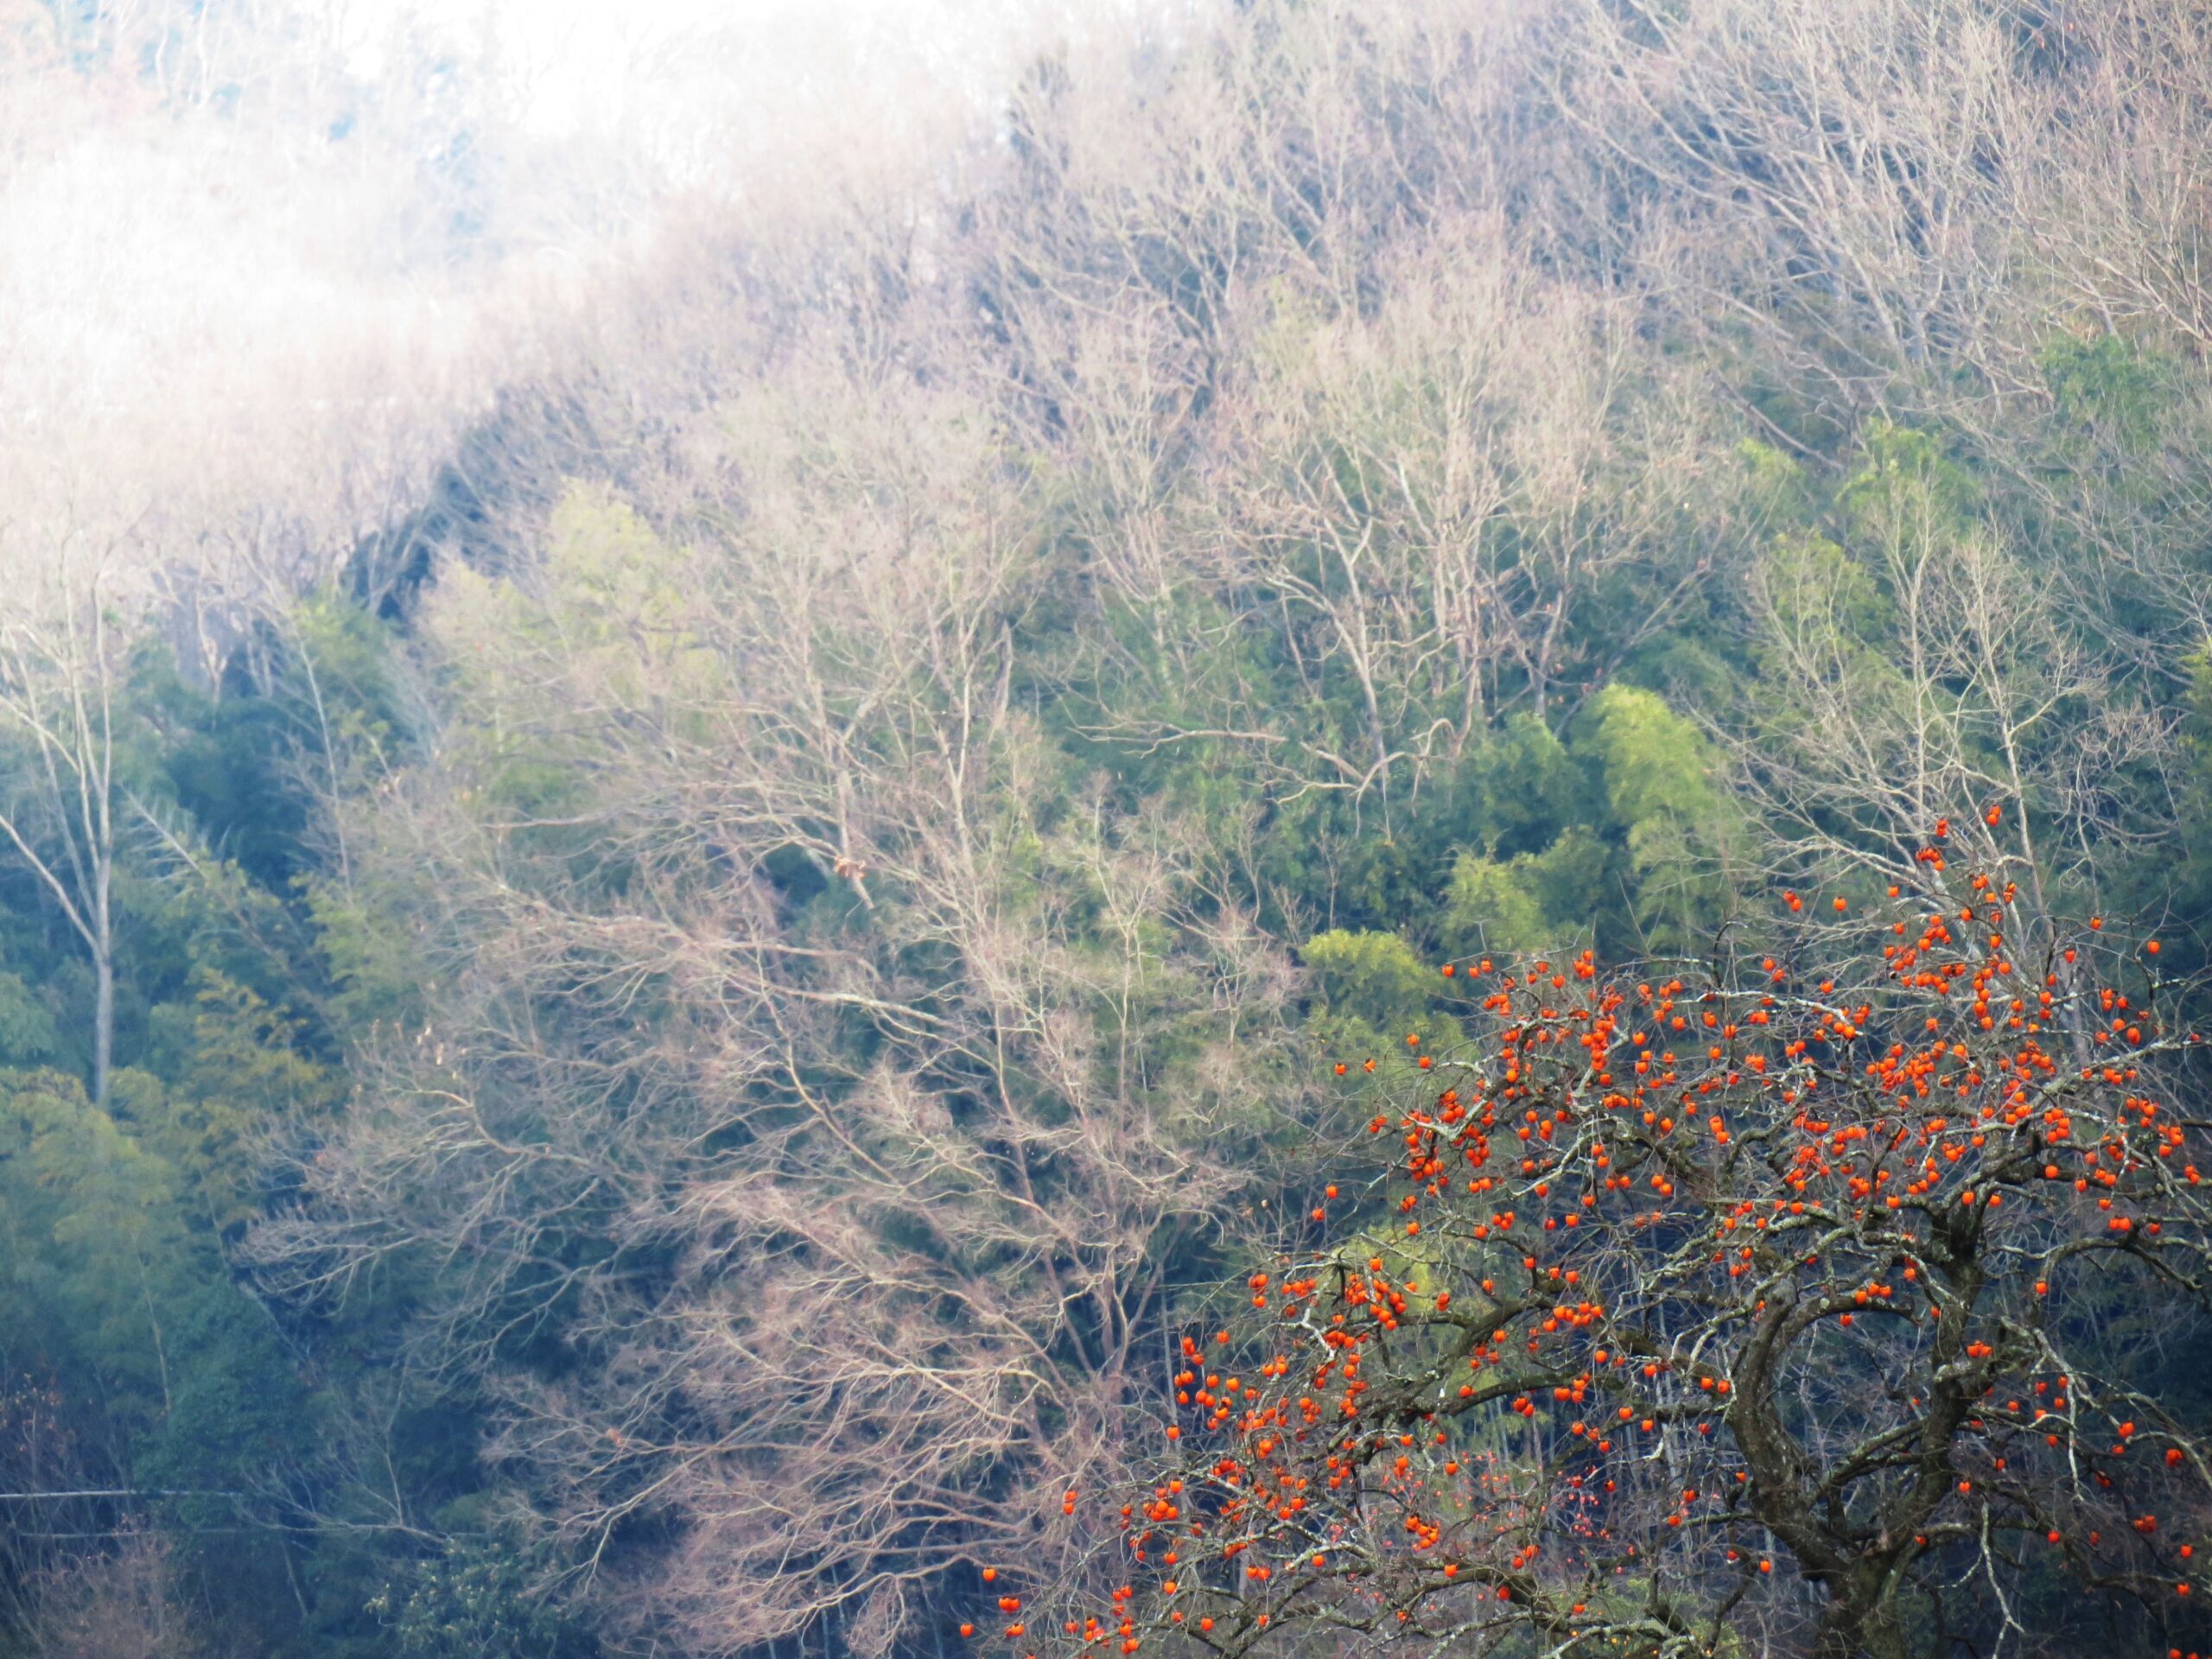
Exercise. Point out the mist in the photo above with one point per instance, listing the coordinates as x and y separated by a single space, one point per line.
268 259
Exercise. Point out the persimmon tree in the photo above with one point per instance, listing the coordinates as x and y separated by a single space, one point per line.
1751 1306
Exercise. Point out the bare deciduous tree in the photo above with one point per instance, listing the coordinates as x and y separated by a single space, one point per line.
61 664
118 1604
834 1080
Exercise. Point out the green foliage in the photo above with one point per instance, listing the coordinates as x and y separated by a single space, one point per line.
236 1408
1776 484
1374 977
374 980
2111 385
229 763
342 680
97 1245
28 1034
475 1601
1523 787
1533 901
1906 486
1684 834
2192 875
117 1225
1494 906
1825 597
615 604
239 1074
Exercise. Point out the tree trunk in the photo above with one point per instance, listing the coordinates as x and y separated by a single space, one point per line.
103 1024
1861 1622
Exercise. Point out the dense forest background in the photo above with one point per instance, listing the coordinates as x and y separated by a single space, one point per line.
630 1039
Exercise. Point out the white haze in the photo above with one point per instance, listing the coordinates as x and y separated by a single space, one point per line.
259 262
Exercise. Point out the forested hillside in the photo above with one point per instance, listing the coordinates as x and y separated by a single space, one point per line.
655 1053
